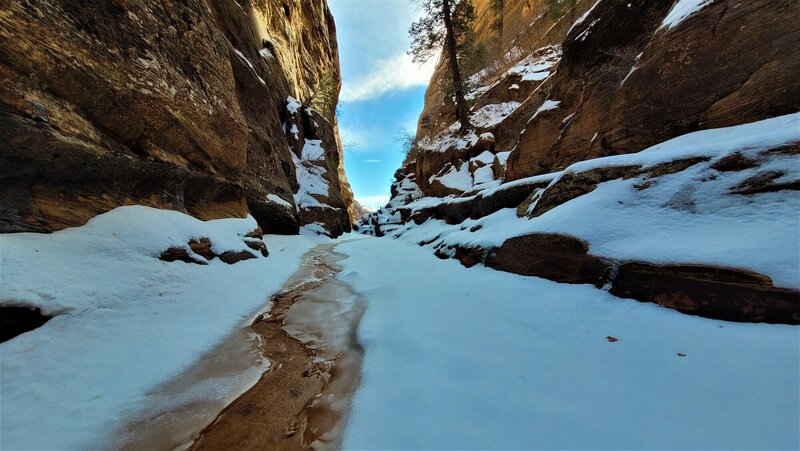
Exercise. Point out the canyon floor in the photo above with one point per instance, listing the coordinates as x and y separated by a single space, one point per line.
365 342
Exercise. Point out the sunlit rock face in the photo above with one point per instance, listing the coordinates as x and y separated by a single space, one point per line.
610 78
630 127
631 77
179 105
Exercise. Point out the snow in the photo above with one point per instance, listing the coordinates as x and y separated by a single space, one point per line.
536 67
633 68
485 157
583 17
266 53
312 183
719 141
467 141
546 106
250 65
493 114
312 150
310 177
126 322
535 76
585 33
479 90
483 175
447 139
681 10
315 228
457 177
292 105
275 199
686 217
502 157
481 359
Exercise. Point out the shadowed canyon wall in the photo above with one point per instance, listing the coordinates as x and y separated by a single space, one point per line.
179 105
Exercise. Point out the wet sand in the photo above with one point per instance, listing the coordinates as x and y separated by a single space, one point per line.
309 337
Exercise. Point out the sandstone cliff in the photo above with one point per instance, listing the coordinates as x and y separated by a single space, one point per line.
180 105
599 154
624 77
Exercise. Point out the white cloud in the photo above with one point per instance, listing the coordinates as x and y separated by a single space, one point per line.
353 139
394 73
360 139
375 202
372 161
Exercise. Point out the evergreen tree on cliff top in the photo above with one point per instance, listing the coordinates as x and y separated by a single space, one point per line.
444 25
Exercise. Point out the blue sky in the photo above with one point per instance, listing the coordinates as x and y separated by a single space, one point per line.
382 90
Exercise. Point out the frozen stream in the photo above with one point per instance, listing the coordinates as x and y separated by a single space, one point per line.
314 308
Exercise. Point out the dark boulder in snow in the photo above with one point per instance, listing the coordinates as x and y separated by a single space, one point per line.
712 292
199 251
231 257
552 256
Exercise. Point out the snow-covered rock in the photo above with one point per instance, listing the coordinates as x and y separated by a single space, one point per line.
720 198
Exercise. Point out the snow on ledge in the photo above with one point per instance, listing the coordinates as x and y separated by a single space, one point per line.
275 199
689 217
681 10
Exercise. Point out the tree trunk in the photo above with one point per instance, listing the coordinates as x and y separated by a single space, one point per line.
458 84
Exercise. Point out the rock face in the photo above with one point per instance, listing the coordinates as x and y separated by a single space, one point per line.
179 105
626 80
603 103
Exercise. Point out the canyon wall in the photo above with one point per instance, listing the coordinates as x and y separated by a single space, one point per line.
181 105
626 78
650 148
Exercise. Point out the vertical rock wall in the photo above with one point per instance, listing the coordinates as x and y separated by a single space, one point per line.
179 105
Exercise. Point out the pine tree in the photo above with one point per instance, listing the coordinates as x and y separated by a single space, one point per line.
556 9
325 96
498 6
443 26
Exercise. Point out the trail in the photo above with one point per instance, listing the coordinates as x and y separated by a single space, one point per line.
301 400
309 337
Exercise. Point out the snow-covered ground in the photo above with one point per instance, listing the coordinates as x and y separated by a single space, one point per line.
454 357
126 321
476 358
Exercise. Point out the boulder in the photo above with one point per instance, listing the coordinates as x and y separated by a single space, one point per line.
712 292
174 254
202 247
231 257
257 245
561 258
